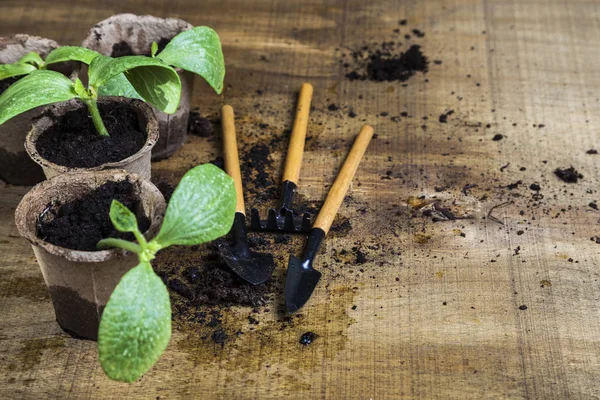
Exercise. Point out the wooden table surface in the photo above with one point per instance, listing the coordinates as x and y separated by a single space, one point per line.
500 305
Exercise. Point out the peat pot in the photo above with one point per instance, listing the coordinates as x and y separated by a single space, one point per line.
81 282
16 167
136 33
138 163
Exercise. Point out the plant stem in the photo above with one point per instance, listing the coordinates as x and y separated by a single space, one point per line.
95 114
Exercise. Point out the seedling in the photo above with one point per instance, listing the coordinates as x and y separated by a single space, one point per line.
156 82
136 323
151 79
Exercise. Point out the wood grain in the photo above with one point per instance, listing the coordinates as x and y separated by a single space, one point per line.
433 308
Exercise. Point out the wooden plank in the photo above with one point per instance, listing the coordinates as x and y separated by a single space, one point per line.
437 303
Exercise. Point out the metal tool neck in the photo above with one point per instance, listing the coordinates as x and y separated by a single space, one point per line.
288 190
240 234
313 244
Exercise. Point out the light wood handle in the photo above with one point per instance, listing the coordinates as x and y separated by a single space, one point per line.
232 161
293 160
338 190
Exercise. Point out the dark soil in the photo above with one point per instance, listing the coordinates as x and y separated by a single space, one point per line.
569 175
497 137
74 142
255 165
384 63
307 338
5 83
123 49
82 223
211 282
199 125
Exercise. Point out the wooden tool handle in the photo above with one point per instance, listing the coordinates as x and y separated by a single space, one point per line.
337 192
293 160
232 161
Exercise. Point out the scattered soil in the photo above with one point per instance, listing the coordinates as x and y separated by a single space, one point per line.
211 282
444 116
307 338
384 63
74 142
498 137
82 223
5 83
592 151
123 49
199 125
569 175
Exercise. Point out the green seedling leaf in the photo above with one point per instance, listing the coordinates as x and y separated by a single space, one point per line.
201 208
71 53
39 88
122 218
156 86
156 82
119 86
111 243
197 50
154 49
79 88
32 58
11 70
136 325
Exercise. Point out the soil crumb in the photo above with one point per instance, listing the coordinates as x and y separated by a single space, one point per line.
307 338
81 224
569 175
198 125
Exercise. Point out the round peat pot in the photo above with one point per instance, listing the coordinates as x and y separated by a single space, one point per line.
81 282
129 34
16 167
138 163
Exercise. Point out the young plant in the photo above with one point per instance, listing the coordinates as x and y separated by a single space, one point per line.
151 79
156 82
197 50
136 323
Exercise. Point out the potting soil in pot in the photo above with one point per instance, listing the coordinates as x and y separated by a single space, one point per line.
82 223
5 83
123 49
74 142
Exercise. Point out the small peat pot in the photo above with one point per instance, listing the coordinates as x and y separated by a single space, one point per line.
64 138
129 34
16 167
81 282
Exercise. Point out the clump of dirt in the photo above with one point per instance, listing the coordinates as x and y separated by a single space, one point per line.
82 223
384 62
73 141
123 48
307 338
198 125
569 175
444 116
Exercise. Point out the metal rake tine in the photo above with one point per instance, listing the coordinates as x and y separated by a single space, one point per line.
272 220
255 219
289 224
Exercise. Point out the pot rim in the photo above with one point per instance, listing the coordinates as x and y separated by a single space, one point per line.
88 42
96 179
42 123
